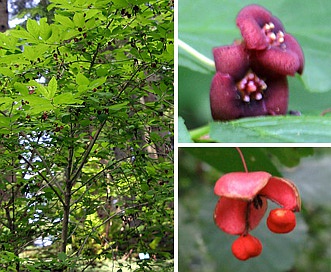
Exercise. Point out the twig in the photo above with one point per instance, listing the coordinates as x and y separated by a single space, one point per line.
87 153
45 179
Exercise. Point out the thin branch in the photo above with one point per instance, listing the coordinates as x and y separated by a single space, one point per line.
130 80
87 153
36 151
98 174
45 179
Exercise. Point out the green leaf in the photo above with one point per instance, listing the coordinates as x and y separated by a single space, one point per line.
97 82
154 244
82 80
284 129
79 19
291 156
65 99
257 159
183 134
41 89
62 256
33 28
6 103
35 51
21 88
64 20
52 88
23 34
45 29
5 122
117 107
6 72
38 104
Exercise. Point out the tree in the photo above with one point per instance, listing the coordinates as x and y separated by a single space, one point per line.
86 135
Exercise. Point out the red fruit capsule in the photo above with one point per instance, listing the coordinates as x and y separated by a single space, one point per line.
281 220
246 247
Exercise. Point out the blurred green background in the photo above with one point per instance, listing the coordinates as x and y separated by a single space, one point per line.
204 25
204 247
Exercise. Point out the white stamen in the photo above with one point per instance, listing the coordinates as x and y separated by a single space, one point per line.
258 96
250 76
246 98
263 85
272 36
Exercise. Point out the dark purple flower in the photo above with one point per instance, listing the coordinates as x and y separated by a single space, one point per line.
269 46
239 90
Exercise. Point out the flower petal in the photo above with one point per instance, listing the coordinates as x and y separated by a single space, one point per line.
232 60
282 61
283 192
250 21
276 97
225 103
230 215
241 185
293 45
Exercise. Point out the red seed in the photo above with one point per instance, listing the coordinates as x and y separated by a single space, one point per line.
246 247
281 220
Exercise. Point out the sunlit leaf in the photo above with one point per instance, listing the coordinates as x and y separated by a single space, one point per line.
65 99
52 88
33 27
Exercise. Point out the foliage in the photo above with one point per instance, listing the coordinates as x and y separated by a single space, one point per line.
309 94
86 136
204 247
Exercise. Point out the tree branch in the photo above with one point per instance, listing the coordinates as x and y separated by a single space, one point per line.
87 153
45 179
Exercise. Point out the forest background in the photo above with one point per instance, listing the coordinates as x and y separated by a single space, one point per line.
86 137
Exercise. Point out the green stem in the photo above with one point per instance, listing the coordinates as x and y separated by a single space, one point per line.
200 134
208 62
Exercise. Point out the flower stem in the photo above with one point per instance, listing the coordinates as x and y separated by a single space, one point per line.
242 159
208 62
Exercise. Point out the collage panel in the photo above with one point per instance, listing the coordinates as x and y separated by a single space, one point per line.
87 135
254 209
254 72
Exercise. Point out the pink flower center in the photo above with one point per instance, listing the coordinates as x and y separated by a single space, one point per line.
274 39
251 87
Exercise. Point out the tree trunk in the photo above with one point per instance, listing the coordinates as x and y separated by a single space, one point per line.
3 15
66 214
